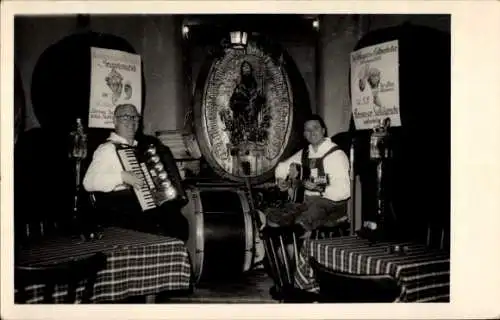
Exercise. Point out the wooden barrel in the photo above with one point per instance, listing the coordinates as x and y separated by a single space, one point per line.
417 175
249 110
19 104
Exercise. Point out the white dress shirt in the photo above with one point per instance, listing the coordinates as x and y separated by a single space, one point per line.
336 166
104 172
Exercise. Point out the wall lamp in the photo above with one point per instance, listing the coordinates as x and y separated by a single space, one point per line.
239 39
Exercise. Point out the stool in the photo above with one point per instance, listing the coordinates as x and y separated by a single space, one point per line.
326 232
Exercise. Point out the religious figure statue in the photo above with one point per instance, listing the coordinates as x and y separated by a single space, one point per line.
247 119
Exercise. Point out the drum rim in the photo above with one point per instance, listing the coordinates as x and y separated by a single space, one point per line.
249 239
199 243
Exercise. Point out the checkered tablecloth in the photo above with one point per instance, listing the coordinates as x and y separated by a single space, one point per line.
424 274
137 264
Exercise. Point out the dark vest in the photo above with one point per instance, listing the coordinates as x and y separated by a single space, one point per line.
313 163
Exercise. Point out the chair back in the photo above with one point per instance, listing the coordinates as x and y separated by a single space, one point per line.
344 287
438 236
70 273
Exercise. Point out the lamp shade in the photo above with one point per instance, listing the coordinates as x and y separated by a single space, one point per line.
238 38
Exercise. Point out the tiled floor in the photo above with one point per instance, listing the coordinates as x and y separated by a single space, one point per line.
253 288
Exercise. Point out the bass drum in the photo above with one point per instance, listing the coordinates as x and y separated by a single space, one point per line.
221 240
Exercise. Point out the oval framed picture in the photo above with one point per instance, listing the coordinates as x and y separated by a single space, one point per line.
245 113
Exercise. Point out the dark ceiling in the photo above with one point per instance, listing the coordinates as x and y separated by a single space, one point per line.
209 28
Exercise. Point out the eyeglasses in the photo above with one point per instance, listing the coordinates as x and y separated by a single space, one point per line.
129 117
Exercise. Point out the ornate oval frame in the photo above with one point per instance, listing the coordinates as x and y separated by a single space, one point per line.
216 123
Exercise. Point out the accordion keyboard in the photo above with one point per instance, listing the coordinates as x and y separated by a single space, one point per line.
130 163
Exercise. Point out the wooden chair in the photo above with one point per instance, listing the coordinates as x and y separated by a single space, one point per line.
344 287
282 269
69 273
278 266
37 229
438 237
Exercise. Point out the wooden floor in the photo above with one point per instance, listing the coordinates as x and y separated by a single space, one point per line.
253 288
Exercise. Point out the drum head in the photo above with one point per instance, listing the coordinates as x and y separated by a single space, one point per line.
221 235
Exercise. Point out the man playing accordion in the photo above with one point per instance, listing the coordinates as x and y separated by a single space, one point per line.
106 176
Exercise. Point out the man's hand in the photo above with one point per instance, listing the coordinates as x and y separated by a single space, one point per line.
309 185
293 171
131 179
283 184
306 235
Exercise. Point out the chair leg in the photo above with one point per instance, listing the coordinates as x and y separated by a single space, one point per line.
284 255
150 299
428 240
48 294
441 242
273 261
279 263
295 250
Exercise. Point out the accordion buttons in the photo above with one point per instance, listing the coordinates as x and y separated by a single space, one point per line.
155 159
171 193
166 184
159 167
151 150
162 175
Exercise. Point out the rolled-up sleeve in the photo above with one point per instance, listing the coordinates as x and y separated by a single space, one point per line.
282 168
337 168
104 172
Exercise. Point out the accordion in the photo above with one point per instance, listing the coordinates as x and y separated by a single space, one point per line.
158 186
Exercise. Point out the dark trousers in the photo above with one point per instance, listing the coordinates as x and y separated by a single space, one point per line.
314 212
121 209
168 220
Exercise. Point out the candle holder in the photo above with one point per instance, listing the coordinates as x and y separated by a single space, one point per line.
380 152
77 153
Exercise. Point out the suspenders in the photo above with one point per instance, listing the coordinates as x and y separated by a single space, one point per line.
306 173
306 164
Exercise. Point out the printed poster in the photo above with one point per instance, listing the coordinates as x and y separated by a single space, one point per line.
375 85
115 79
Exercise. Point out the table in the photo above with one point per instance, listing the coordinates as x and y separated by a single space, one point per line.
138 264
423 274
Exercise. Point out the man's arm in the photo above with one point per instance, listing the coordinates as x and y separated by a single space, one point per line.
104 172
337 168
282 168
